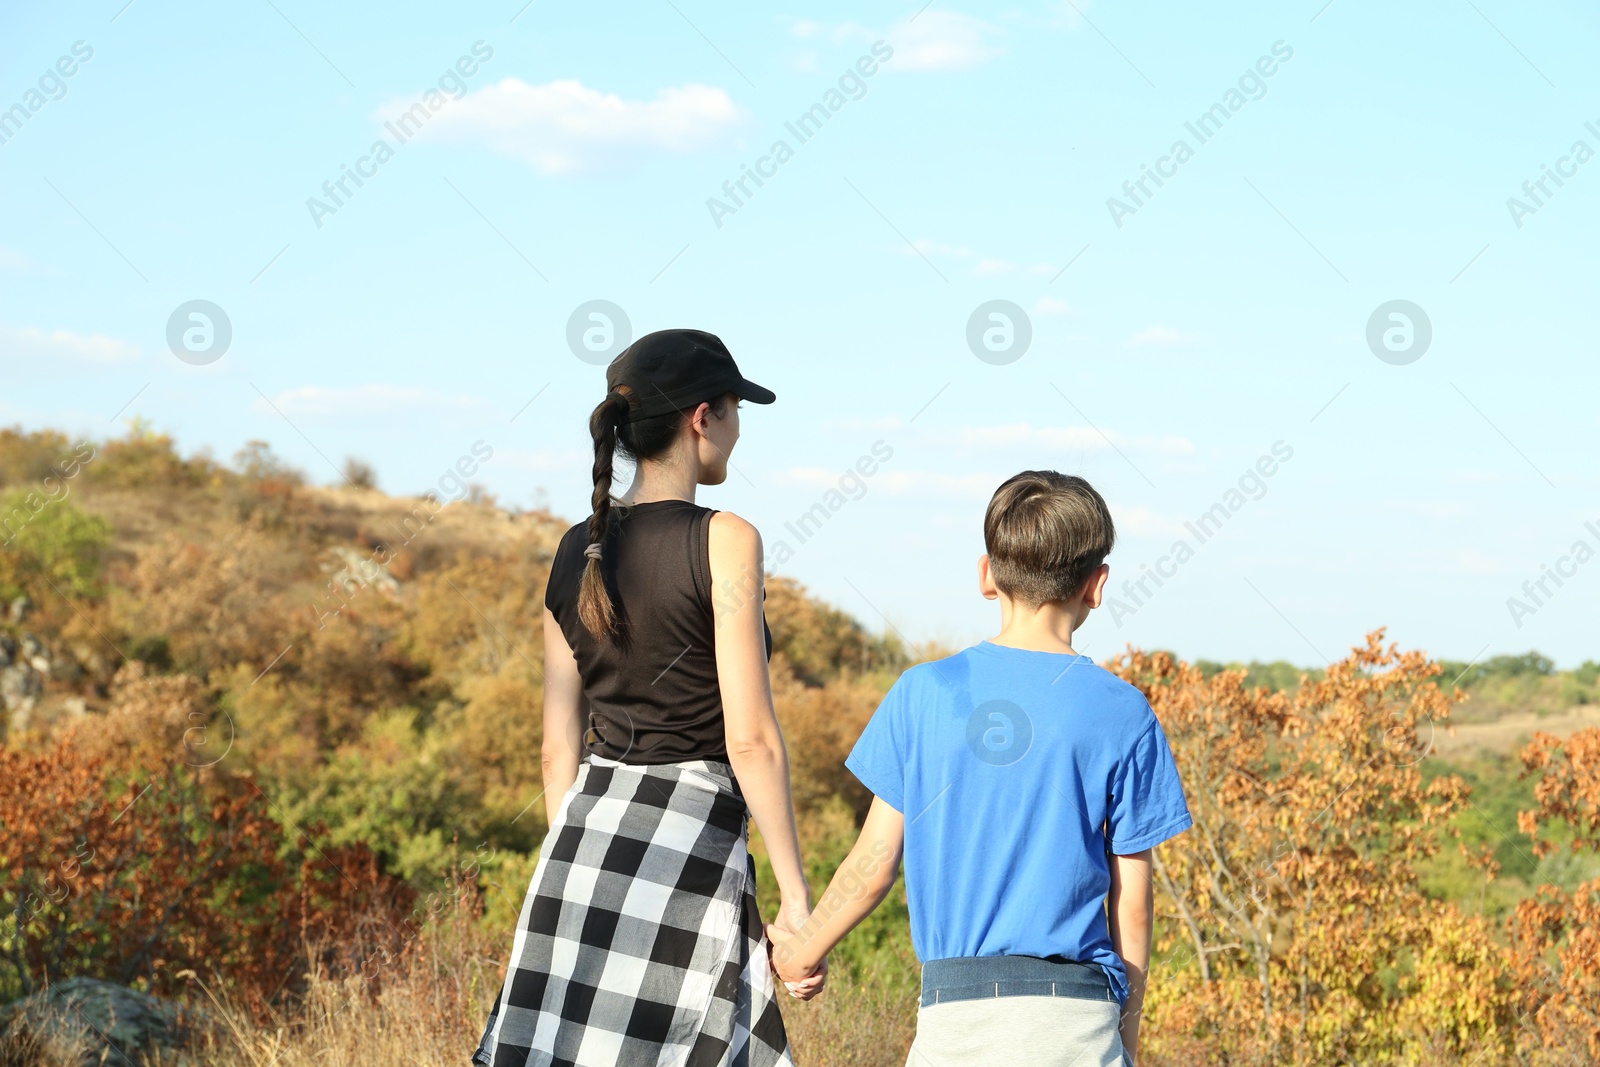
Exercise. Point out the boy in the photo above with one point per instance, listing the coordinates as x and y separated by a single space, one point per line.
1027 787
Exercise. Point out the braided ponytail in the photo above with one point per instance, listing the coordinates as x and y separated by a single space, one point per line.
595 609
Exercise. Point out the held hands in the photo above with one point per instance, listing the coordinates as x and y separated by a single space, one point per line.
785 941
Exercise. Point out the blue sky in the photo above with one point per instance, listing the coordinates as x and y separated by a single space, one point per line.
1172 348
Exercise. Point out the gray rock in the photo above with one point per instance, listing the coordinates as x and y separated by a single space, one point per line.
8 649
360 570
18 609
20 686
102 1024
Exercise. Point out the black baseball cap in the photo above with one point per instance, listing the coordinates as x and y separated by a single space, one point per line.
674 370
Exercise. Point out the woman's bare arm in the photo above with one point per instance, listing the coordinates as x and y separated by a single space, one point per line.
1131 911
563 721
755 744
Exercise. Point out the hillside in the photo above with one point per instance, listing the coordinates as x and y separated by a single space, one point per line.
259 735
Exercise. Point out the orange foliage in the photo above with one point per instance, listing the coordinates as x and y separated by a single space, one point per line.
1299 930
1555 935
1569 790
141 872
820 725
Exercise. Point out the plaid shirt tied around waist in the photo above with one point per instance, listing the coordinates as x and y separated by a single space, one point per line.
639 940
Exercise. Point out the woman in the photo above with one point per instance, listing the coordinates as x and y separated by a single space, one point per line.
639 940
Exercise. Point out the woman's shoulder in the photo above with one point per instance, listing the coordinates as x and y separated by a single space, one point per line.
731 524
733 544
574 539
732 533
568 555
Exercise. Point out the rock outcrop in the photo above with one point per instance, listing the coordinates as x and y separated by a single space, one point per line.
97 1023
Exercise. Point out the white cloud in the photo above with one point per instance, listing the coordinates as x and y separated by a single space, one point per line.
29 344
901 482
1073 438
365 400
1067 15
1049 305
565 127
820 476
1159 337
1142 521
544 459
930 42
1476 477
805 28
1438 510
928 246
941 41
11 259
1471 561
986 266
881 422
938 483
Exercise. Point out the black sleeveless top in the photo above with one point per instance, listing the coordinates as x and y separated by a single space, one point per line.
651 689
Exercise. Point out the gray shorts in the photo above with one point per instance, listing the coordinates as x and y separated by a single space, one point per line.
1007 1011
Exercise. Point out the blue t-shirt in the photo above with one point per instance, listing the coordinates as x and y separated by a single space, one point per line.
1019 773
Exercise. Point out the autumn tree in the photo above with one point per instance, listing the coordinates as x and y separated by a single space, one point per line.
1555 935
1296 929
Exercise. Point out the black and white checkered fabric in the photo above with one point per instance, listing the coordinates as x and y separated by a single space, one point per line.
639 941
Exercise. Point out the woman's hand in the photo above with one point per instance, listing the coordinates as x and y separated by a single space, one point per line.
793 914
783 943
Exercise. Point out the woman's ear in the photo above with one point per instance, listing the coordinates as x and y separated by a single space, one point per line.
986 584
697 419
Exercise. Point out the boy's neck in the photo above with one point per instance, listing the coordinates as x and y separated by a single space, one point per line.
1046 627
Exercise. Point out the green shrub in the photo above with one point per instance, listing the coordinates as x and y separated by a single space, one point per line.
49 545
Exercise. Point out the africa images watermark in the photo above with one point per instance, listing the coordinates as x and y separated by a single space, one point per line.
1252 485
52 85
1538 191
55 487
850 485
404 126
803 128
1537 591
1204 127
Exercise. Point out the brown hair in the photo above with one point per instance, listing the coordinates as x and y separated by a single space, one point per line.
1046 533
639 440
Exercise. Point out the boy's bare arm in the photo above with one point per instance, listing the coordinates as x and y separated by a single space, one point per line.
1131 911
858 886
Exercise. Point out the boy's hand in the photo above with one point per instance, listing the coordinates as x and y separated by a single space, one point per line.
802 984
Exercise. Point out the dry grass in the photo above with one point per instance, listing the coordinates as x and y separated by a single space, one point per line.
1507 734
426 1007
430 1010
851 1026
22 1045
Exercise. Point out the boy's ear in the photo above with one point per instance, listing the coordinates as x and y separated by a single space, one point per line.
1094 588
986 584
